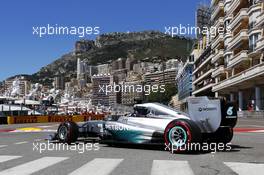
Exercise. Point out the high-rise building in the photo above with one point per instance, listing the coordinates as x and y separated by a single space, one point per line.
81 69
202 73
24 86
202 66
203 15
100 95
184 78
103 69
130 95
161 77
59 82
129 63
2 88
237 54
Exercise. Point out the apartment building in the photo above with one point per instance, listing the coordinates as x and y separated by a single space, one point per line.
202 71
161 77
130 96
184 81
237 53
202 67
24 85
99 95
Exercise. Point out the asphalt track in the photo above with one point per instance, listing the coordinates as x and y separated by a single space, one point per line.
20 153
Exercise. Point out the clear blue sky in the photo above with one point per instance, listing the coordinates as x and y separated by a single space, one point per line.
24 53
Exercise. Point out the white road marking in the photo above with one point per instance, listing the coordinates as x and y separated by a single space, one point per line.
44 126
2 146
19 143
7 158
257 126
257 131
246 168
98 166
37 140
48 126
33 166
169 167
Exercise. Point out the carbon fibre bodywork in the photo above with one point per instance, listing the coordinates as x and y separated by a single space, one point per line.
146 125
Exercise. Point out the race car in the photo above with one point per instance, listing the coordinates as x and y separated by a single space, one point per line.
207 120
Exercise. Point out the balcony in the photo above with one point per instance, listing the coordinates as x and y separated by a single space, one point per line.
204 88
242 15
228 52
241 36
260 20
254 8
254 31
217 9
238 58
218 71
253 73
227 5
217 40
214 2
205 62
234 5
227 39
219 22
218 55
208 73
227 35
260 44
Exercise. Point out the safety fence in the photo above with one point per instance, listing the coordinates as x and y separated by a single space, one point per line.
53 118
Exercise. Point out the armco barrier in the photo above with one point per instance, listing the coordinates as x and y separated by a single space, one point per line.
53 118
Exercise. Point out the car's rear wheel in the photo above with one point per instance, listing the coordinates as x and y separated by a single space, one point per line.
222 135
68 132
181 132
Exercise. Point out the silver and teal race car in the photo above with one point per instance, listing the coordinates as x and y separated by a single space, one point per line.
207 120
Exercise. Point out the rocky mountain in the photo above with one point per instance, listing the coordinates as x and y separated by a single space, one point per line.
108 47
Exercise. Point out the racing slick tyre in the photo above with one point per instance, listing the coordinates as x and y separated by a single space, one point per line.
68 132
180 133
222 135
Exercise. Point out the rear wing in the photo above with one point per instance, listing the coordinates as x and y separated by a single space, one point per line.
210 114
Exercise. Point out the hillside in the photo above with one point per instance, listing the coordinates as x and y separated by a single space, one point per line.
108 47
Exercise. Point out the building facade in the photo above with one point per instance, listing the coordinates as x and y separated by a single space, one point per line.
237 56
184 79
24 86
202 18
99 94
202 72
202 66
161 77
130 96
59 82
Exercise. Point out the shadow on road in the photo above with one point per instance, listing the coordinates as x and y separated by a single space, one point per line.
158 147
237 148
234 148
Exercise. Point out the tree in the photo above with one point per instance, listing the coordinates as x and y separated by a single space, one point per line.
163 97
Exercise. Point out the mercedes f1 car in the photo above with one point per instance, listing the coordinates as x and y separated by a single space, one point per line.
207 120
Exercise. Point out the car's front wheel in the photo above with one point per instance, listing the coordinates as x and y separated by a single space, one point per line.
181 132
68 132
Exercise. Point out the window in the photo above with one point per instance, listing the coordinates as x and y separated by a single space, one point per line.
253 42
